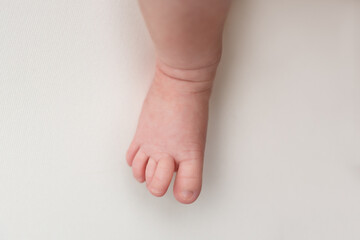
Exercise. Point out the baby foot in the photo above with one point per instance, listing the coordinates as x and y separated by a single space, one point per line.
171 132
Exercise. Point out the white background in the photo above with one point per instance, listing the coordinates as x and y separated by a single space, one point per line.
282 157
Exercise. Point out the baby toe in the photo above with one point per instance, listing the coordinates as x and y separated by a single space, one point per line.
139 165
162 176
150 171
131 152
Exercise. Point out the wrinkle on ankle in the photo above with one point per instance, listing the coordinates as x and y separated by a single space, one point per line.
205 73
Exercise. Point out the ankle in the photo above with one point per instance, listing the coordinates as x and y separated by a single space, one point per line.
195 80
201 73
191 58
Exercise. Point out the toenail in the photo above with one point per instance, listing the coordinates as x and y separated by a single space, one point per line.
187 194
156 191
140 179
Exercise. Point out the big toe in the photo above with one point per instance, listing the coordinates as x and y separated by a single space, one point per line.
188 180
162 173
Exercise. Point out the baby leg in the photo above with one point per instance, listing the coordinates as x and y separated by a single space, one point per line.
171 131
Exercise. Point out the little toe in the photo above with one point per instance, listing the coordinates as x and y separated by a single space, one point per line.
131 152
162 176
139 165
188 179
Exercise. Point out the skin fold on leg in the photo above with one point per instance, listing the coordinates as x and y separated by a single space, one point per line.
187 34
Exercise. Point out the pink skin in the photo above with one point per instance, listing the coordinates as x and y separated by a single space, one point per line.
171 131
